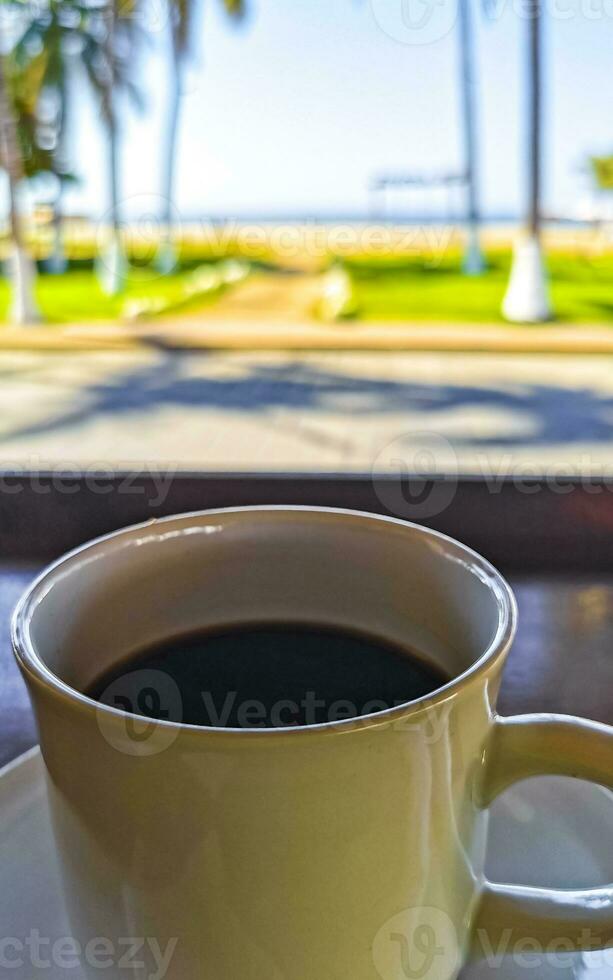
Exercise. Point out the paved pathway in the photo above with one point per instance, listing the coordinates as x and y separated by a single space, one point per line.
334 411
278 297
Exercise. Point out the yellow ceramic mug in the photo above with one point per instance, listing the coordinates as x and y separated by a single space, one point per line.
347 851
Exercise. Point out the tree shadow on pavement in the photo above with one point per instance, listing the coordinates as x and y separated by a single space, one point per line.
555 414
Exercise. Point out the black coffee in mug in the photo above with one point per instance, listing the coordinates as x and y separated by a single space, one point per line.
267 676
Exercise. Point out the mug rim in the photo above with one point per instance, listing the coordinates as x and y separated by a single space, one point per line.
35 667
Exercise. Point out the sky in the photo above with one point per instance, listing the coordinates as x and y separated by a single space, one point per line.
296 110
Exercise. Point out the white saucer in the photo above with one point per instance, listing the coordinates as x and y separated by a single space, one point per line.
550 832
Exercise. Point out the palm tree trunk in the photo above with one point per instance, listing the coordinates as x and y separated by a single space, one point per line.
114 175
536 121
112 264
473 258
56 262
112 276
166 258
527 297
23 306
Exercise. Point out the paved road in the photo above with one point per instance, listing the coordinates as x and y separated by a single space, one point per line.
327 411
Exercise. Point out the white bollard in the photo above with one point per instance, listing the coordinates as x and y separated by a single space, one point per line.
527 296
23 310
111 268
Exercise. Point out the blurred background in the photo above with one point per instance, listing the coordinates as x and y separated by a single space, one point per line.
351 235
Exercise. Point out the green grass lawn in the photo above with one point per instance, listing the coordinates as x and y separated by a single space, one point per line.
75 296
386 288
410 289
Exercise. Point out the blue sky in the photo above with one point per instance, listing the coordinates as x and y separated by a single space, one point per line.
296 109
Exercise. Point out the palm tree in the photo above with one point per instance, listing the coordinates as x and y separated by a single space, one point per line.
109 44
23 307
527 299
49 38
182 17
99 38
473 258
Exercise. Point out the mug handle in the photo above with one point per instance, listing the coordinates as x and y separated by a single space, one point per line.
539 745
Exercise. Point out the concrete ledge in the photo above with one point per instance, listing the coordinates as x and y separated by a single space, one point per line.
550 338
73 337
256 334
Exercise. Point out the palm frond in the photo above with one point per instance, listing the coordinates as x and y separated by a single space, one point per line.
235 8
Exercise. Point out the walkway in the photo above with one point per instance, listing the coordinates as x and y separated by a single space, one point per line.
334 411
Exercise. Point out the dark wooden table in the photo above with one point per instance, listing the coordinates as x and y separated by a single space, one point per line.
556 549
